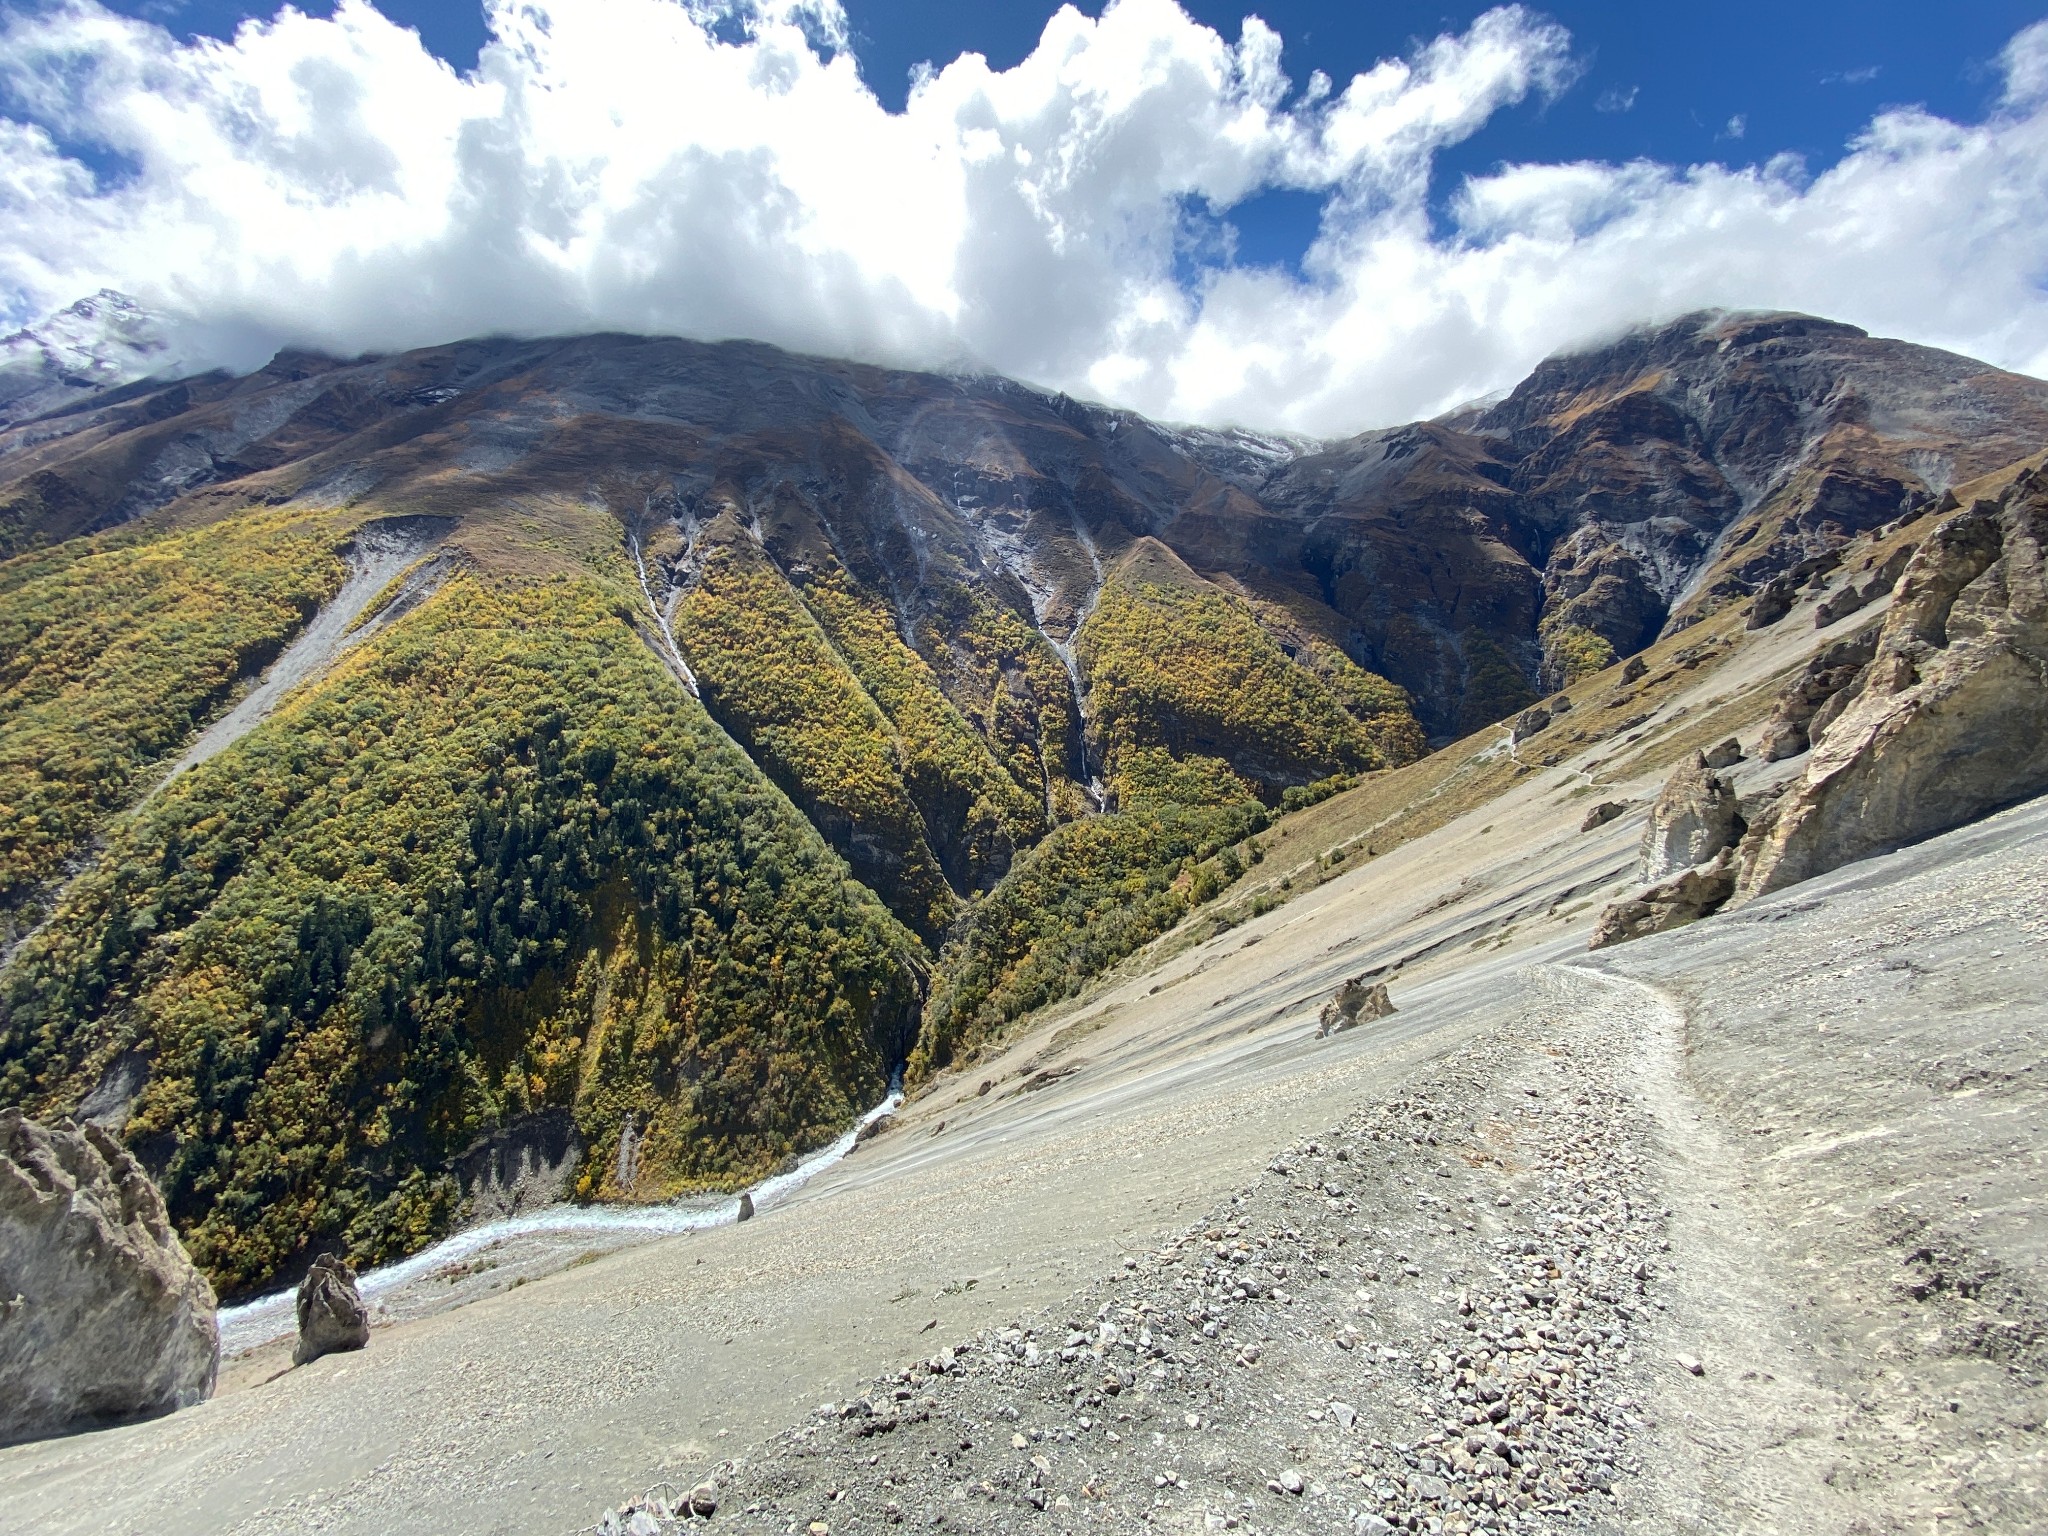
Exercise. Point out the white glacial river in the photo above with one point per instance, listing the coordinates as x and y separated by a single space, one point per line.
257 1322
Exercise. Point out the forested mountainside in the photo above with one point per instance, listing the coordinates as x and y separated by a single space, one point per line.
750 725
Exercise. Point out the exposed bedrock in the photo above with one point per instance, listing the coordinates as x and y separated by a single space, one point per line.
1813 698
1932 718
1476 560
102 1316
1949 720
521 1167
1695 816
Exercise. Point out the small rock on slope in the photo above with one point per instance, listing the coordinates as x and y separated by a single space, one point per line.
1357 1002
332 1317
1602 814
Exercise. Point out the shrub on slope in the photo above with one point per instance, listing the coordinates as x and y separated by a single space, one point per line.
976 815
772 677
1188 668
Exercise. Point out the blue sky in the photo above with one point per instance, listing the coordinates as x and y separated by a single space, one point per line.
1150 204
1733 80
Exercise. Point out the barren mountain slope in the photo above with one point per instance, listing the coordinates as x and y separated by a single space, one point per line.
1674 467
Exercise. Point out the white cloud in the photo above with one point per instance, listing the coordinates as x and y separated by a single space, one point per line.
1615 99
2025 62
613 164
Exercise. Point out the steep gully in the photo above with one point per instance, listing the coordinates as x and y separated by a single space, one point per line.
378 555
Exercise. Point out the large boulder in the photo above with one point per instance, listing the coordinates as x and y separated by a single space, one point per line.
1949 719
332 1317
1692 895
1724 754
1357 1002
1773 602
102 1316
1695 816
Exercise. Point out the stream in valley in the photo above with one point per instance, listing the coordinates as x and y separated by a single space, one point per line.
480 1260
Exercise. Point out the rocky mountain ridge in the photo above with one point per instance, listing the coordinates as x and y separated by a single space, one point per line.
1475 561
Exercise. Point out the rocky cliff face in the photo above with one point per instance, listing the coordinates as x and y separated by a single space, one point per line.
103 1317
1949 719
1475 561
1689 464
1929 718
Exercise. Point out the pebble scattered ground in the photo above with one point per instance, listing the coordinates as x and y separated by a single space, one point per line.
1433 1318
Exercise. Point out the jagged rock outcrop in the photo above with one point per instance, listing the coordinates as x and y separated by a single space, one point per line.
1692 895
521 1167
1357 1002
1813 698
1686 859
1773 601
1948 720
1694 817
102 1316
332 1317
1602 814
1531 720
1854 597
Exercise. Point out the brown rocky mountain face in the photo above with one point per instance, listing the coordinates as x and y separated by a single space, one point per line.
1476 561
1686 466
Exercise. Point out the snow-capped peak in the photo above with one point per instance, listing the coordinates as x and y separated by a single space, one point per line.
99 343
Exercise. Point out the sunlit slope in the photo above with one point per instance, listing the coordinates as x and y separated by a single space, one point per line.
498 861
112 651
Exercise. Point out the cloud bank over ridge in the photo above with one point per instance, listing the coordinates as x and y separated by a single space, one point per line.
710 170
